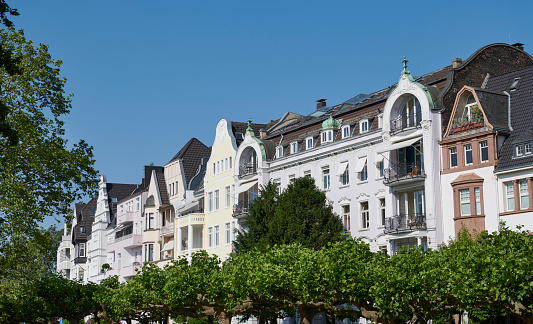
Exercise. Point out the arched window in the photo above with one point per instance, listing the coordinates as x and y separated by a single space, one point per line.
409 115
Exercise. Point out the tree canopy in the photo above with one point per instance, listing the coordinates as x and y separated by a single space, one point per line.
301 214
41 175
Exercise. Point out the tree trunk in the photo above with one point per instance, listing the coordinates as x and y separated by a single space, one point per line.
224 318
306 314
210 319
262 319
330 317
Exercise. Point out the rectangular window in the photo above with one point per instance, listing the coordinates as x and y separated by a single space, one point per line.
214 169
292 178
218 166
346 217
150 252
228 233
363 175
453 157
279 151
210 202
527 148
346 131
307 174
365 216
82 229
216 235
327 136
233 230
309 143
229 162
228 196
151 221
519 149
325 179
209 237
345 177
294 147
381 169
468 154
465 202
216 200
137 204
477 193
82 250
524 194
484 151
277 182
509 196
363 126
380 121
382 211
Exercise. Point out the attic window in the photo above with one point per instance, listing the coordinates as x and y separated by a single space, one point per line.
239 136
514 84
309 142
279 151
294 147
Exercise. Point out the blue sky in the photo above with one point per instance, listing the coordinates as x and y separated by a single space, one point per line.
149 75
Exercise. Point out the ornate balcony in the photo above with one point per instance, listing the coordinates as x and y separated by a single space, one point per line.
403 171
247 169
402 222
403 122
240 208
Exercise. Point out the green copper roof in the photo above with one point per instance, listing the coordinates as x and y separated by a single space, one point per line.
330 123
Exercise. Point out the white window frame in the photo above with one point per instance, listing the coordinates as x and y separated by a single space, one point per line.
483 146
227 230
326 178
380 166
345 177
209 201
279 151
216 236
364 215
477 200
346 131
523 193
527 148
210 237
309 142
380 121
382 211
346 217
292 178
327 136
464 201
216 199
452 151
519 149
227 196
363 175
509 196
364 126
468 148
82 249
294 147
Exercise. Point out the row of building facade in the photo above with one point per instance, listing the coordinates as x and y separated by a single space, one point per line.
405 166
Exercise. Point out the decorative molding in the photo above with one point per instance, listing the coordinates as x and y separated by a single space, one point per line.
344 199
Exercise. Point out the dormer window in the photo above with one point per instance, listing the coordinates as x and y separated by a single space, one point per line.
327 136
309 143
363 126
380 121
294 147
514 84
346 131
279 151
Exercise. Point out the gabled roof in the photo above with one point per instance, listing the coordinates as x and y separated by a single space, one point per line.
191 155
466 178
162 187
495 106
521 106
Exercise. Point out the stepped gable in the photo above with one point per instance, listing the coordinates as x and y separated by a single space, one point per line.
494 59
191 154
521 115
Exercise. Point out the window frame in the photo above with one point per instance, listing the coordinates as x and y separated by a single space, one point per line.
216 196
363 175
382 211
81 249
327 136
483 147
294 147
309 140
364 215
227 196
346 131
345 177
346 217
522 194
326 178
364 126
279 151
468 153
464 201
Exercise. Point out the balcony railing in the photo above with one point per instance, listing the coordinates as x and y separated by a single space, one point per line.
247 169
167 229
404 222
403 171
240 208
403 122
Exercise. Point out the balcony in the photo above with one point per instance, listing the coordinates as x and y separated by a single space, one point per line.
194 218
127 241
80 260
240 208
402 172
404 122
402 222
247 169
125 217
167 230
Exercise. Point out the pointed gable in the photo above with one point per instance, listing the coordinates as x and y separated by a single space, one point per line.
191 154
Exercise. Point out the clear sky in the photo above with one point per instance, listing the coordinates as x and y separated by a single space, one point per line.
149 75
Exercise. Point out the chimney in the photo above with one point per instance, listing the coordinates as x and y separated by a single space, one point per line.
262 133
320 103
519 46
456 62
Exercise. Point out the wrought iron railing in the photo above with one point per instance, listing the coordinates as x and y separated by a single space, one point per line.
403 171
247 169
403 222
240 208
403 121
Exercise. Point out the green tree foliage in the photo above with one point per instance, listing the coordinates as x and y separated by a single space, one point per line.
40 175
299 215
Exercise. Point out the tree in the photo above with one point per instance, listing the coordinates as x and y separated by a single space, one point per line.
300 214
40 175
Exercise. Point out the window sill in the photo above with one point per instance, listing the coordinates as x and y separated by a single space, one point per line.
364 229
362 182
519 211
468 216
344 186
